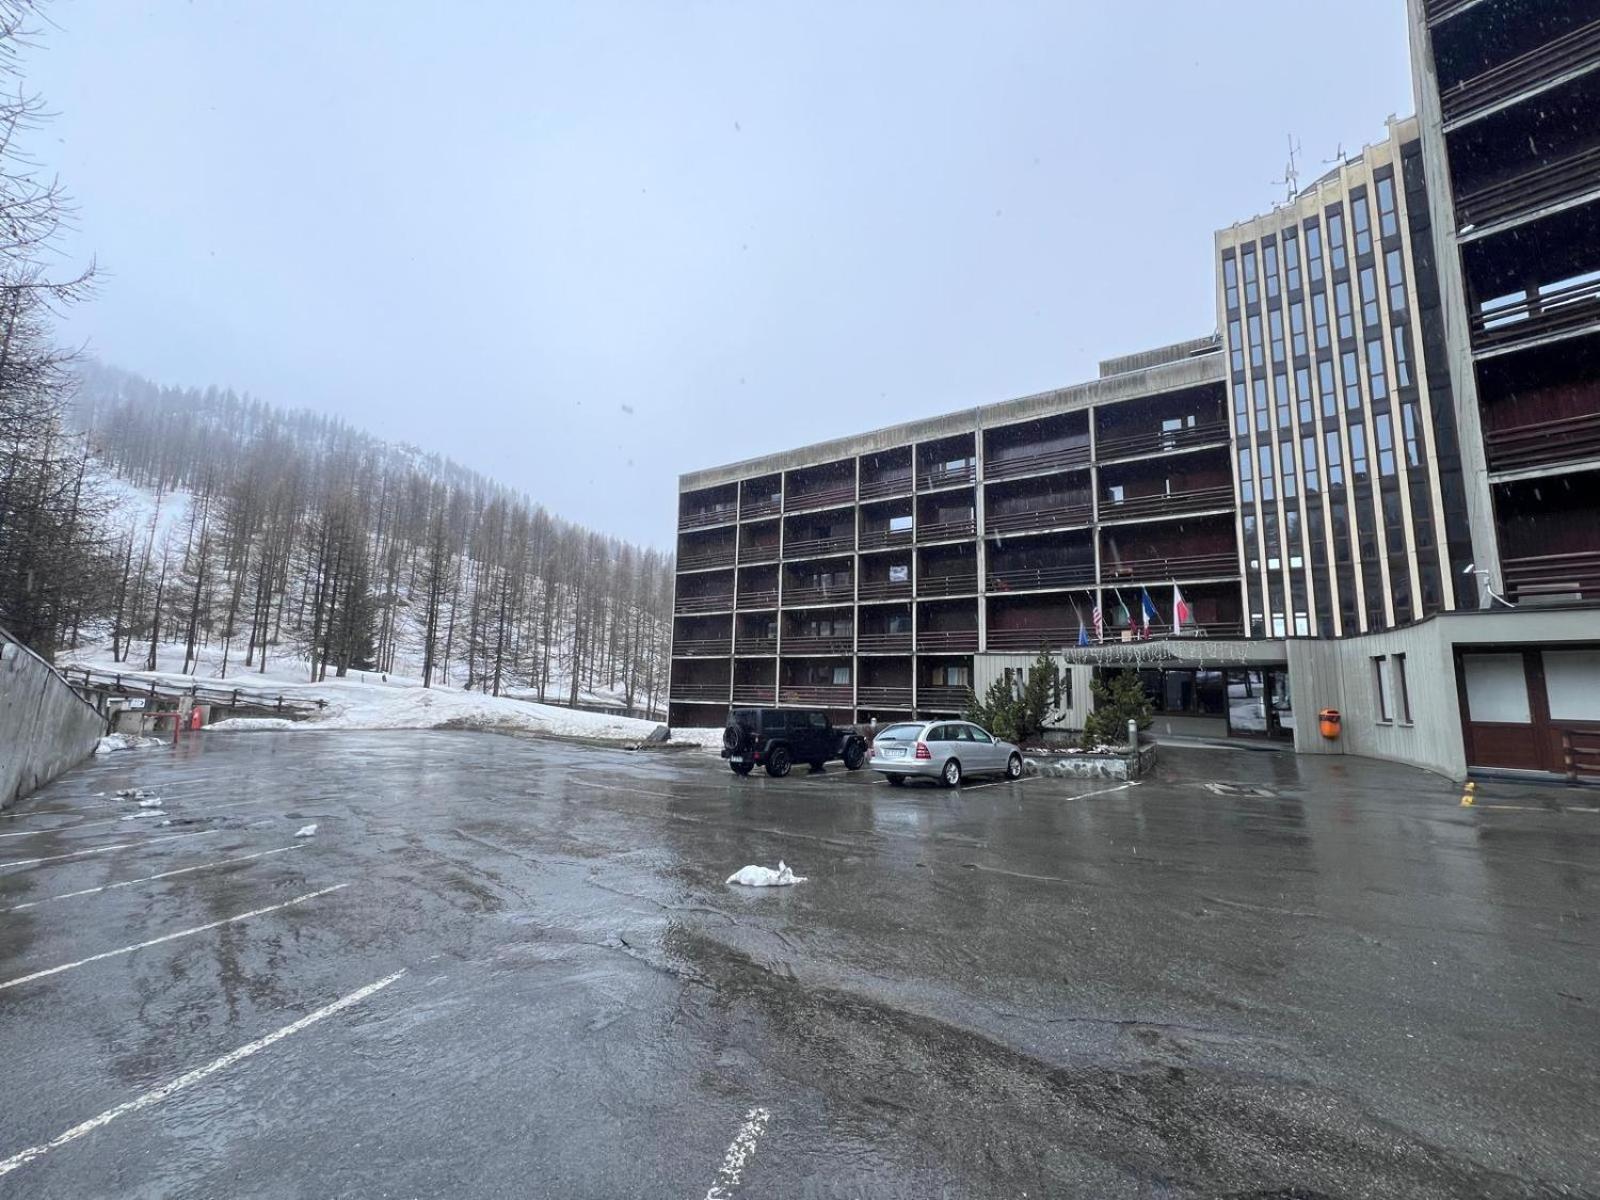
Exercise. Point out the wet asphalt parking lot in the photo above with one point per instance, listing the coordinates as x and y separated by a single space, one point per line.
505 967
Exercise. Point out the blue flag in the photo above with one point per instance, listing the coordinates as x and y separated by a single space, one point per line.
1083 634
1149 607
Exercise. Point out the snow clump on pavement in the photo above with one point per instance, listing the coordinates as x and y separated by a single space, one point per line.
113 742
306 831
246 724
765 876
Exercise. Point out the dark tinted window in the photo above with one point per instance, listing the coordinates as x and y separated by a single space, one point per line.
898 733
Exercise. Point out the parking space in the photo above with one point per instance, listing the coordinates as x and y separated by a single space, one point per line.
506 967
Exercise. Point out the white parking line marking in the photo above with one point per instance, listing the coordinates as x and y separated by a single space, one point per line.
606 787
23 1157
61 828
168 937
739 1152
28 862
972 787
106 887
1121 787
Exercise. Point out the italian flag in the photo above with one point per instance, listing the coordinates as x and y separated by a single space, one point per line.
1180 610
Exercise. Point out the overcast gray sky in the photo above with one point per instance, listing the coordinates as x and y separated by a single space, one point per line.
584 247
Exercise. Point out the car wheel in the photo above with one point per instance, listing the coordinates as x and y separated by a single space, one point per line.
854 756
741 768
951 775
778 763
1014 767
895 780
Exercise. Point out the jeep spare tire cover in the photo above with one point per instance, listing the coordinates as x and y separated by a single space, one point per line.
732 737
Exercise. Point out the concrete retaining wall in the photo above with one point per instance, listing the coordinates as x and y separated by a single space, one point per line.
45 727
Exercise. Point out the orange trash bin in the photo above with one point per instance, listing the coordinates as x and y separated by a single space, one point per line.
1331 722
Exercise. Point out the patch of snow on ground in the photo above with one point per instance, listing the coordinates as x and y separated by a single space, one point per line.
247 724
707 739
754 876
111 743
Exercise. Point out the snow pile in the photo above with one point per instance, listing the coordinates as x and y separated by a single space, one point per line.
766 876
247 724
707 739
111 743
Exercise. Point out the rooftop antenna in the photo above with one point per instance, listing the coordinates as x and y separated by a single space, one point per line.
1291 171
1339 156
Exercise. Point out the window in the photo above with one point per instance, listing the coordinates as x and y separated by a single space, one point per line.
1336 240
1358 451
1352 381
1361 222
1269 258
1388 218
1314 251
1247 487
1394 271
1265 460
950 677
1383 435
1252 547
1376 377
1402 357
1280 384
841 678
1256 359
1400 687
1572 681
1241 410
1286 468
1260 401
1369 297
1497 689
1341 304
1297 327
1335 459
1275 326
1230 282
1114 493
899 573
1319 318
1251 295
900 524
1302 387
1236 344
1330 394
1308 455
1410 432
1291 259
1380 678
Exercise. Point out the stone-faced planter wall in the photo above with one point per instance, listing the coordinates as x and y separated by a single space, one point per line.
1121 762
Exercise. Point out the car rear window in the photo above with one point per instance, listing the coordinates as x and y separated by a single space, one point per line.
898 733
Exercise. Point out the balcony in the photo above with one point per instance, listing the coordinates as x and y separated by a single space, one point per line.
1544 443
719 514
715 693
947 585
807 644
874 696
1024 579
1540 68
1036 464
754 693
816 595
703 604
1159 570
706 560
939 531
1562 576
1544 185
1033 639
759 598
758 554
835 694
932 478
940 641
880 489
878 539
1169 504
883 589
1161 441
1058 516
943 699
700 647
819 547
883 643
1546 314
767 506
839 493
755 645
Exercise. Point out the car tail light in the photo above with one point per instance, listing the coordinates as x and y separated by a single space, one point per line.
923 751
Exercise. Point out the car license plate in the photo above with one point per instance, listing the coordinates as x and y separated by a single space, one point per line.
739 758
894 751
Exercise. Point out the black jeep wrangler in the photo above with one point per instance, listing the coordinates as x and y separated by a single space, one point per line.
777 738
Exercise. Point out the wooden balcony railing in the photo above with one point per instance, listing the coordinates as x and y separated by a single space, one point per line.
815 693
873 695
877 539
1560 310
817 595
1169 504
938 641
716 692
1580 752
883 643
942 699
706 560
755 645
882 589
703 604
1530 190
1052 638
720 514
1021 463
1021 579
947 585
819 547
1544 443
839 493
759 554
1170 569
939 531
758 598
766 506
1054 517
877 489
755 693
929 478
1576 575
697 647
1571 53
1160 441
808 644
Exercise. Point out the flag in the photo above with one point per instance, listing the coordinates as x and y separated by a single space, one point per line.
1099 623
1149 607
1180 610
1083 634
1123 616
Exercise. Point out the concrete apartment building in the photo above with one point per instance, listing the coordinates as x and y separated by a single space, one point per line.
1397 422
